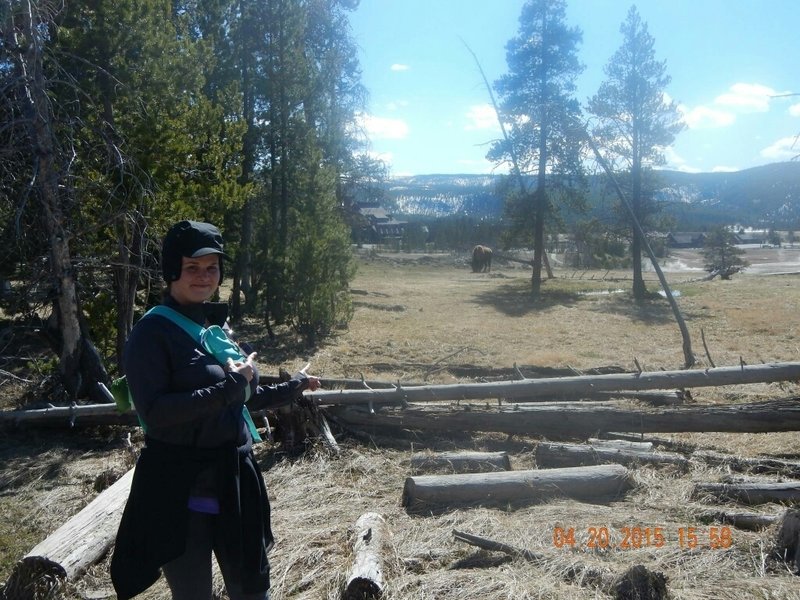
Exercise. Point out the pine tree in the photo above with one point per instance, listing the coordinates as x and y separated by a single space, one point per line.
721 254
636 123
537 100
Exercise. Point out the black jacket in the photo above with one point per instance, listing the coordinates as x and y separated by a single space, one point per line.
152 531
192 410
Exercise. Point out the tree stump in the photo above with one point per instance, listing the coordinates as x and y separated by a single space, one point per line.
787 543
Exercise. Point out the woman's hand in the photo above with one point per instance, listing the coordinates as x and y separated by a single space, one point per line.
244 367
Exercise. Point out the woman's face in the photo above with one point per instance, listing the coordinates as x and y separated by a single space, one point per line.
198 281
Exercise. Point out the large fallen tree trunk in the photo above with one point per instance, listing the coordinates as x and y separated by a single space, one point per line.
526 390
572 421
77 544
751 492
549 455
530 389
591 484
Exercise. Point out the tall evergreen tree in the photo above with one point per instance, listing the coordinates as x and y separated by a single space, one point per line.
537 100
636 122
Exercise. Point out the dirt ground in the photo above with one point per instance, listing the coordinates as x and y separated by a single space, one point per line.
427 318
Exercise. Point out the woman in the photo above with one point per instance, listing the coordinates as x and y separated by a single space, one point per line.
197 488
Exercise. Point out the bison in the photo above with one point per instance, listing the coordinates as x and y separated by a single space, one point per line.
481 259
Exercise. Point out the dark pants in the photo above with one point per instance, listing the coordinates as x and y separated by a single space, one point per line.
189 575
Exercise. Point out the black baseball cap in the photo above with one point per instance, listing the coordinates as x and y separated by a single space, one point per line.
191 239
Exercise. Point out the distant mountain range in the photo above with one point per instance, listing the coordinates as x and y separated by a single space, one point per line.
767 196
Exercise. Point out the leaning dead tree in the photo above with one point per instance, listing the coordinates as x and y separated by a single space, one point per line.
688 355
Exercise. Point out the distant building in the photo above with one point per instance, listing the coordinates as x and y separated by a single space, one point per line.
690 239
752 237
379 226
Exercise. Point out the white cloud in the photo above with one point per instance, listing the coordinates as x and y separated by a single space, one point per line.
676 162
703 117
794 110
399 67
783 149
724 169
397 105
381 128
747 97
481 116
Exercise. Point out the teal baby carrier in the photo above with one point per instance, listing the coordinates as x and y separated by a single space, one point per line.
212 339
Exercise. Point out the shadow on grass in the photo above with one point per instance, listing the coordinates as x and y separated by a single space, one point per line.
515 299
653 310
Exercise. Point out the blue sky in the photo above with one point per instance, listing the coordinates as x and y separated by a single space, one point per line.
429 111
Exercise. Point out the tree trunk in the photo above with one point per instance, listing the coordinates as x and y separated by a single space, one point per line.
130 240
461 462
590 484
46 186
366 580
771 466
529 389
571 421
751 492
740 520
549 455
77 544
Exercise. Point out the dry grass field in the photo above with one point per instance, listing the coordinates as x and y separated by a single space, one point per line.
422 318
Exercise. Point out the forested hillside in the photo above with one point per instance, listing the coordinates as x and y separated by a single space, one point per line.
761 196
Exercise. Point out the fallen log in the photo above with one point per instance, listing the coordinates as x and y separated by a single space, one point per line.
366 579
763 465
622 444
526 390
84 415
750 492
462 462
590 484
549 455
740 520
638 582
76 545
582 421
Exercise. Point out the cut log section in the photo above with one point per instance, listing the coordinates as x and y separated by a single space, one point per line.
549 455
591 484
582 421
80 542
751 492
461 462
366 580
